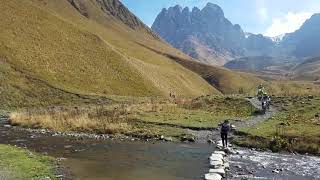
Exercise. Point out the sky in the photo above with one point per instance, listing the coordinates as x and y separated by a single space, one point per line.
267 17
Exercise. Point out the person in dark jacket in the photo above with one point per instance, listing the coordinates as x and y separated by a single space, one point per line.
225 128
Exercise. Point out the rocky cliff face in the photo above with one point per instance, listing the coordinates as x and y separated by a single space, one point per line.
112 8
209 37
203 34
305 42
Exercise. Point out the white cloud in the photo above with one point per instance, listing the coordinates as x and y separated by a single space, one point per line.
263 14
287 24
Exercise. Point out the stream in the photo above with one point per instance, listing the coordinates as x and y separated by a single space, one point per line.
90 159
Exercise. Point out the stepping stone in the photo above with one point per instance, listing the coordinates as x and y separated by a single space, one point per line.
220 152
212 176
216 164
216 157
219 144
227 165
220 171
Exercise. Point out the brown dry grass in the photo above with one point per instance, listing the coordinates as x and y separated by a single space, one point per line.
73 119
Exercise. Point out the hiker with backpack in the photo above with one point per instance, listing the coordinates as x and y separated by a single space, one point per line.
225 129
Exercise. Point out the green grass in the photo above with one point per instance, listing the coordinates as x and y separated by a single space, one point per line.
141 117
202 112
300 129
16 163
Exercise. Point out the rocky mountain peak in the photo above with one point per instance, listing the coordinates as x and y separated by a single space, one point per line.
196 10
204 33
213 10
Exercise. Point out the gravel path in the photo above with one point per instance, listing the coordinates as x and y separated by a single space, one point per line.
203 136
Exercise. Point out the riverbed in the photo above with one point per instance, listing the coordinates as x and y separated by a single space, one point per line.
94 159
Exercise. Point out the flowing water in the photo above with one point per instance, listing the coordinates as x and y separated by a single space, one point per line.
89 159
117 160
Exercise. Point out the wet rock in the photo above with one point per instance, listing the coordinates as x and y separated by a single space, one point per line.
213 176
210 141
161 137
226 165
7 126
231 151
219 144
61 159
216 157
216 164
169 139
188 139
67 146
277 171
220 171
220 152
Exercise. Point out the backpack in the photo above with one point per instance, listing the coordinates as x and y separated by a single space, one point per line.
225 128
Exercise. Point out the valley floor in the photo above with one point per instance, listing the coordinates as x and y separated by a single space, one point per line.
292 124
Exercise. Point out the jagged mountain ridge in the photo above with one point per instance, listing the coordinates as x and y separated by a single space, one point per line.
203 34
211 38
206 34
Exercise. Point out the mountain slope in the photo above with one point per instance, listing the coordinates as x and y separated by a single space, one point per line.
305 41
83 47
308 70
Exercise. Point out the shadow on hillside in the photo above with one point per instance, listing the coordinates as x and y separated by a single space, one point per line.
205 71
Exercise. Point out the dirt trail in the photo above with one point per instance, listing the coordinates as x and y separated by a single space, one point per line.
207 135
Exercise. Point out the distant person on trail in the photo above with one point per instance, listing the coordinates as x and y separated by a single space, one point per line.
261 92
225 128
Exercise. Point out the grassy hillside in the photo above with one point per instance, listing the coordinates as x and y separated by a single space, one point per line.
52 41
18 89
227 81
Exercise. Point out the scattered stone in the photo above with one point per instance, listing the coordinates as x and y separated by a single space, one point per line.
210 141
67 146
213 176
188 139
7 126
169 139
276 171
61 159
161 137
30 154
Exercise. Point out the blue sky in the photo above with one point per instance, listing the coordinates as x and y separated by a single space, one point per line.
268 17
